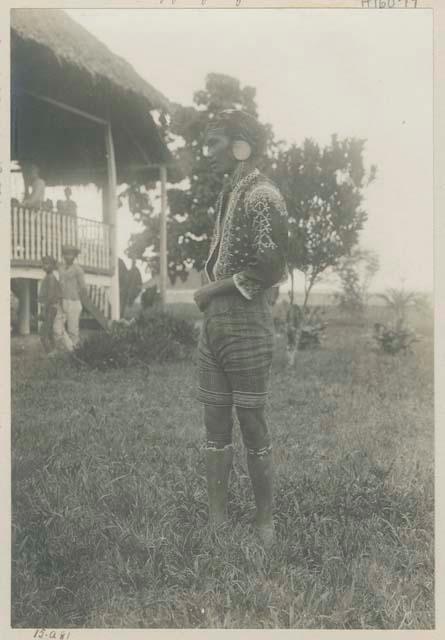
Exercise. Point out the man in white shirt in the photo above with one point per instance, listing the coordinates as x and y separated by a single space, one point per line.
74 289
33 181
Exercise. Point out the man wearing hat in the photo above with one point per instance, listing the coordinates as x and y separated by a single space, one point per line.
52 333
247 257
72 281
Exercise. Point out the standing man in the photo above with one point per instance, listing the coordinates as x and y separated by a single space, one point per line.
52 330
50 298
69 206
33 182
72 281
247 257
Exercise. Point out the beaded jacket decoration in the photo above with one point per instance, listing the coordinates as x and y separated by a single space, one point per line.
250 242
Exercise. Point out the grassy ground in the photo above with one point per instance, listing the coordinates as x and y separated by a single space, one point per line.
109 499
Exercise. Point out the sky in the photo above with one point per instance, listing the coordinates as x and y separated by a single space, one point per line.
366 74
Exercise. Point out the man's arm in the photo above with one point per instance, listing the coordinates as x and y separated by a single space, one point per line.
83 291
203 295
267 217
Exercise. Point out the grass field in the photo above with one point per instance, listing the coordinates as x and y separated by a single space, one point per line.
109 497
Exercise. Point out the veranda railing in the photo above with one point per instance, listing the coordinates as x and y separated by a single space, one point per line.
37 232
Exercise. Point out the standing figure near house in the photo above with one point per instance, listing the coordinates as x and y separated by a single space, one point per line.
52 333
67 206
72 280
35 184
247 257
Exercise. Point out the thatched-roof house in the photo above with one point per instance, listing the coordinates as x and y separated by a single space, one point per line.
55 58
83 115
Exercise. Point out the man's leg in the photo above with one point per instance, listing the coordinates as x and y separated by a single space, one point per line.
219 457
259 463
62 341
45 337
72 309
216 395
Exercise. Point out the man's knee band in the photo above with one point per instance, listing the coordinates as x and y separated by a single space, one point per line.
260 453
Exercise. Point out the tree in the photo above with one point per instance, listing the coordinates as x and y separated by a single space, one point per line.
191 209
323 189
356 272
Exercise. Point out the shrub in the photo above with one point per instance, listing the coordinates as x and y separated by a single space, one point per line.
150 297
155 336
397 336
394 339
305 327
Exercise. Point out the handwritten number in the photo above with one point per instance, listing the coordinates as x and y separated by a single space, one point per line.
389 4
52 635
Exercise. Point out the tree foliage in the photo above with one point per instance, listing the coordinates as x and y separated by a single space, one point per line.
356 272
323 188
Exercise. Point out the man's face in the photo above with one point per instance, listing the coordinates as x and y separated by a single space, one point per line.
69 259
47 267
219 152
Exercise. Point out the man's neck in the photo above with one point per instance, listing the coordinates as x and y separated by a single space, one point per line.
242 170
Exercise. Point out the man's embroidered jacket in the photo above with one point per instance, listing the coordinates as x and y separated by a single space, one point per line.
250 241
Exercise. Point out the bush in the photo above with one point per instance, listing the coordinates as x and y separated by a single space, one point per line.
394 339
305 327
397 336
150 297
155 336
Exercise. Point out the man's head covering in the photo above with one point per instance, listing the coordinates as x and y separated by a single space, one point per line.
50 261
70 250
240 125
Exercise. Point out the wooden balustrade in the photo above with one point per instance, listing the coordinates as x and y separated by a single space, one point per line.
36 233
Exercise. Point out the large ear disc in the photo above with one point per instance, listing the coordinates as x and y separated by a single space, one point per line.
241 150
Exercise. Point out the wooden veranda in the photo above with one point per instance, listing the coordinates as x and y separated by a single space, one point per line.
83 116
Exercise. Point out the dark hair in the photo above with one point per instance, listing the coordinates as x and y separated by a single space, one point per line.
50 261
240 125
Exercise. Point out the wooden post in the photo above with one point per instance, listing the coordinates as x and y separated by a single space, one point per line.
25 308
163 235
111 218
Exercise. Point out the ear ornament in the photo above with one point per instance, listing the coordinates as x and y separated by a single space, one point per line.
241 150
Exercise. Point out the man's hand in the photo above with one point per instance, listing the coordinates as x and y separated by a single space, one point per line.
222 287
203 296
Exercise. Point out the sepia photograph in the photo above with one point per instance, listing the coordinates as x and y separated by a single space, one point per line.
221 261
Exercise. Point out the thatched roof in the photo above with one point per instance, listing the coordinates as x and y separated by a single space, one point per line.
55 57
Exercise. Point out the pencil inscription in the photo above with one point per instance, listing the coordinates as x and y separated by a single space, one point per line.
389 4
51 634
203 2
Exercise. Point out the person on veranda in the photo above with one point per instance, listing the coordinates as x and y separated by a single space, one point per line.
247 257
67 206
34 187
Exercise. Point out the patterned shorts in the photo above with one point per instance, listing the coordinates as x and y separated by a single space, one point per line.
235 351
